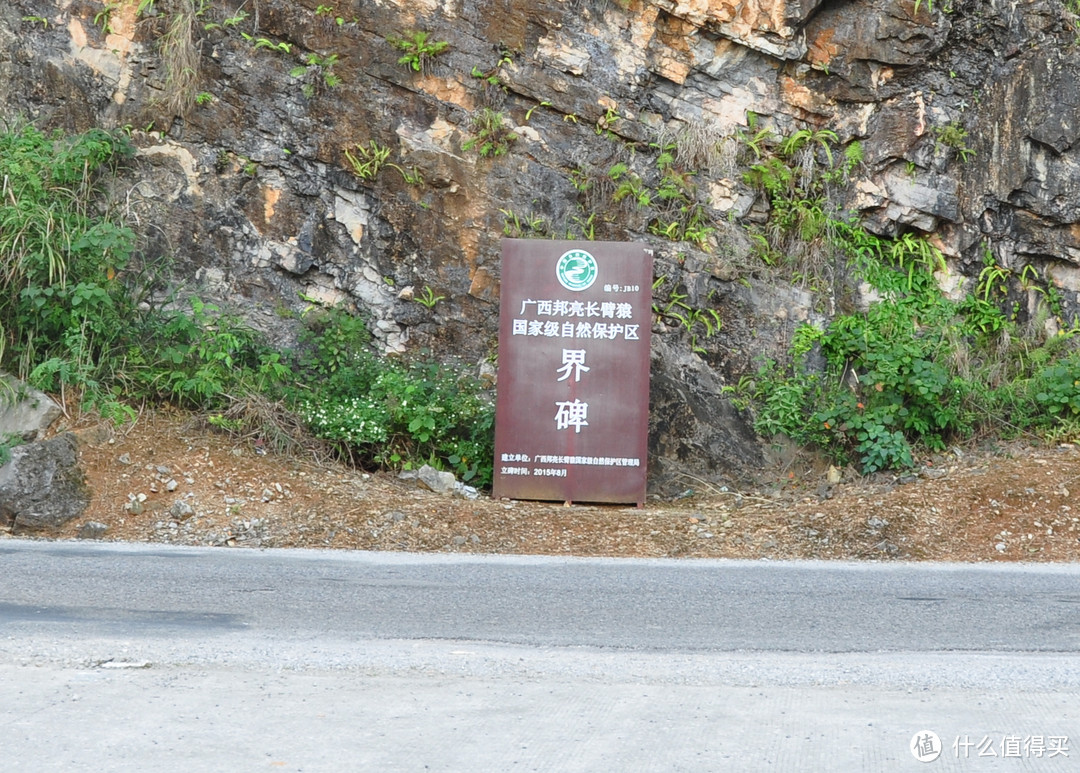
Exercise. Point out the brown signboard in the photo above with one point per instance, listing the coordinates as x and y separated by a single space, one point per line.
572 407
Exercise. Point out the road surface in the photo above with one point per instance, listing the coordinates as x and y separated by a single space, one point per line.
124 657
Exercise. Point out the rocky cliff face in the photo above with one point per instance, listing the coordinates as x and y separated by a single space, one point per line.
293 152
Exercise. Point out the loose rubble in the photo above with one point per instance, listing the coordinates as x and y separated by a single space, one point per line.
1011 503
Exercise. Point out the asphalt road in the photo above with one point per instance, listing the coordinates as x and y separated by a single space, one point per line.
116 657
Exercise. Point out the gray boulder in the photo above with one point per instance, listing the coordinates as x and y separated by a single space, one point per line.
25 413
92 530
42 487
434 480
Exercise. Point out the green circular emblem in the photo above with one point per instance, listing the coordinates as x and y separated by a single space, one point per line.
576 270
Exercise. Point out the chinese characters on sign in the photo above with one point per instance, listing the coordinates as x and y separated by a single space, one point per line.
571 415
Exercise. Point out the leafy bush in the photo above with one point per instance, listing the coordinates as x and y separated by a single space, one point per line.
916 369
202 358
1058 389
61 257
382 412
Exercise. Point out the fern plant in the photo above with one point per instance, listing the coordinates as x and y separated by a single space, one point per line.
316 72
493 136
368 160
418 49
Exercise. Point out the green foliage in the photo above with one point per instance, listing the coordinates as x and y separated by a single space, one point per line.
236 19
103 18
368 161
692 319
583 227
806 337
280 46
901 266
662 196
200 358
8 442
993 279
316 73
894 393
799 140
59 256
381 412
1072 9
523 226
629 186
327 10
781 402
72 321
232 21
69 321
1057 390
850 161
330 344
916 370
428 298
411 175
419 50
492 136
531 110
607 121
953 135
754 139
982 317
795 172
492 79
680 216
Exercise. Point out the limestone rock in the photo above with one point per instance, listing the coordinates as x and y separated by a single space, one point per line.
25 412
694 434
181 510
434 480
92 530
42 487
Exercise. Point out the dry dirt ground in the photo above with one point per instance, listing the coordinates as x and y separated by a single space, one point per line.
170 479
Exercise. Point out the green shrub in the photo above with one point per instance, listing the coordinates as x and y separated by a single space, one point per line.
916 370
1058 390
386 413
359 424
201 359
62 254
